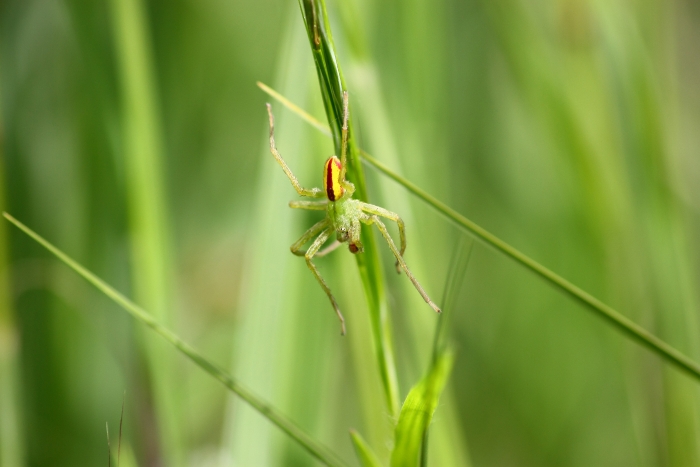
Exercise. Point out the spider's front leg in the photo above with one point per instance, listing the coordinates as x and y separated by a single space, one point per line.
376 210
309 205
307 236
326 231
310 192
312 206
373 219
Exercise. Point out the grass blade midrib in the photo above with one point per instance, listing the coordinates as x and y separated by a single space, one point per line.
304 440
609 314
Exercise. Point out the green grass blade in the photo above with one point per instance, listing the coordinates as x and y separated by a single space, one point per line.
364 452
313 121
417 412
332 86
610 315
287 426
320 126
441 340
455 278
147 209
11 442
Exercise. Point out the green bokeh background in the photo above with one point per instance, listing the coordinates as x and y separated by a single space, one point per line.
569 128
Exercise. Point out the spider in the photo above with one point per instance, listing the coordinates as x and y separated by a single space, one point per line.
344 215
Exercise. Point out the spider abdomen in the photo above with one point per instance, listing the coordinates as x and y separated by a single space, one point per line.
331 179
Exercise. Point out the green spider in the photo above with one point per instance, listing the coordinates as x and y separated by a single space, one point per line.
344 215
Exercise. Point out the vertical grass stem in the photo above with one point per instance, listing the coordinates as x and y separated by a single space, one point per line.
142 150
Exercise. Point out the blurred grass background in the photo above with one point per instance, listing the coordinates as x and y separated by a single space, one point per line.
569 128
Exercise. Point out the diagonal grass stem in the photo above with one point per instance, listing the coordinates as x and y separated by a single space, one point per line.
292 430
609 314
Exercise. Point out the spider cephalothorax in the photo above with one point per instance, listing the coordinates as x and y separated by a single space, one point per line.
344 215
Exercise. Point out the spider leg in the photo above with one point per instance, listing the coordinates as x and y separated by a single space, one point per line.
308 235
313 249
373 219
349 187
311 233
310 192
376 210
310 205
329 249
344 138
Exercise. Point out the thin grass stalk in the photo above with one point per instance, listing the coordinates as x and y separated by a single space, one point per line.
287 426
455 279
332 86
11 440
363 451
457 270
609 315
624 172
148 218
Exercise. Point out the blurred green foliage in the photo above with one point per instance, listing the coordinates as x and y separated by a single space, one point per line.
566 127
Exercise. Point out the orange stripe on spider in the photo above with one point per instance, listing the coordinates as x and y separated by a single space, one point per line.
331 179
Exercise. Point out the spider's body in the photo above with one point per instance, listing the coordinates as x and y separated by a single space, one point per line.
344 215
343 212
331 179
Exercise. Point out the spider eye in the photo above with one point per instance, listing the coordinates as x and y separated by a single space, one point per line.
331 179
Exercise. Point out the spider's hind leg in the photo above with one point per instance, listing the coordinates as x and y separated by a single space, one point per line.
310 253
373 219
308 235
377 211
325 233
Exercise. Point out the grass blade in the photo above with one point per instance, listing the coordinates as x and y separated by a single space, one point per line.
363 451
147 209
11 442
109 447
332 86
287 426
455 278
320 126
417 412
610 315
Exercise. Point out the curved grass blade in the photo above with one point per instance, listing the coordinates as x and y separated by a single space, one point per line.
363 451
313 447
417 412
332 85
609 314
